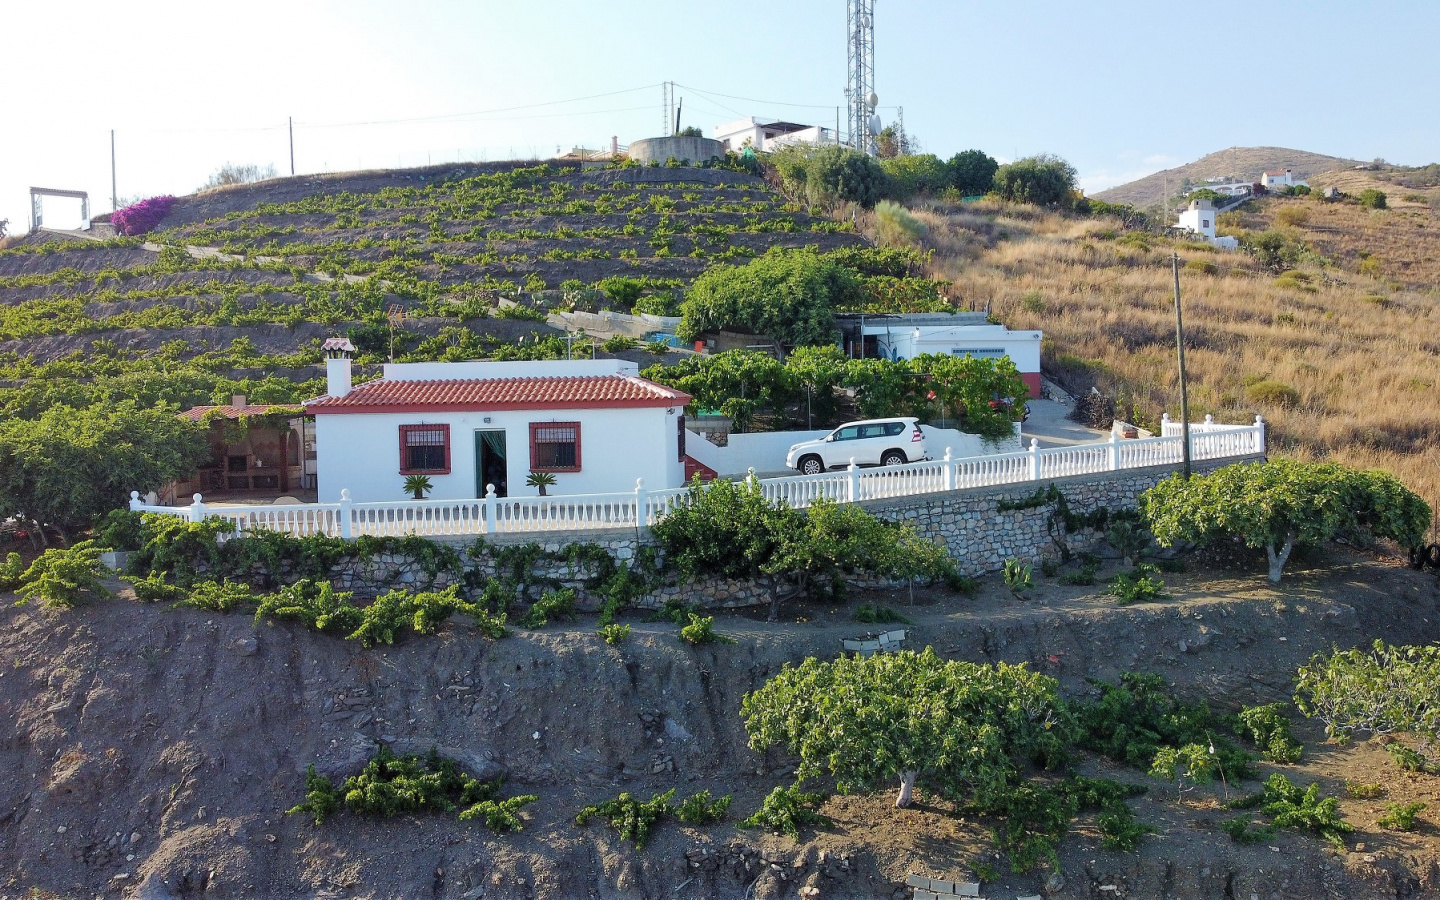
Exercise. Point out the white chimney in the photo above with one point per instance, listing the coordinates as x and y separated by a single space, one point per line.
338 353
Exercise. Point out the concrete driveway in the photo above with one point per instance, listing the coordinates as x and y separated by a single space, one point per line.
1048 425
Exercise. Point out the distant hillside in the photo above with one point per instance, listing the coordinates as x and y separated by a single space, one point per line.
1240 163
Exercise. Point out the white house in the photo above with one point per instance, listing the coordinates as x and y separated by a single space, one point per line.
1199 219
767 136
593 424
907 336
1274 181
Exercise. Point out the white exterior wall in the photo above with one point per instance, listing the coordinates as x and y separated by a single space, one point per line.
442 371
361 452
1199 218
1023 347
733 134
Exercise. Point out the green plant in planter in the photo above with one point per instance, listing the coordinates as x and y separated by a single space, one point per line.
417 485
540 480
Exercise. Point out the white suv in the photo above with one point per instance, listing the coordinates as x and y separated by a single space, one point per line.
873 442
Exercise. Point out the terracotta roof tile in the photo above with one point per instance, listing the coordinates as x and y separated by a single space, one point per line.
549 392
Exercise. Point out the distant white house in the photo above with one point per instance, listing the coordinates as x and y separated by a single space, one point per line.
765 136
1200 220
1274 181
593 424
959 334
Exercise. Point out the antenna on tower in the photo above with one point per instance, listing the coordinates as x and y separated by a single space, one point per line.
860 78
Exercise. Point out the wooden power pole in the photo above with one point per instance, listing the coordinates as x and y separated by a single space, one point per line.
1180 354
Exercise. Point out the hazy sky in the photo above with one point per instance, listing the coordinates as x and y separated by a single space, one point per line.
1120 89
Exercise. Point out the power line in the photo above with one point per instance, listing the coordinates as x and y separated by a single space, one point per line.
714 94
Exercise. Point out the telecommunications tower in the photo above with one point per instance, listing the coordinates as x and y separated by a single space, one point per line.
860 96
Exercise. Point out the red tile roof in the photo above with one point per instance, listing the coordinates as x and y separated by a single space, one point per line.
196 413
466 394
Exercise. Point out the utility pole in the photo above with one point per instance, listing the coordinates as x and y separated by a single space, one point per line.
290 120
1180 354
114 194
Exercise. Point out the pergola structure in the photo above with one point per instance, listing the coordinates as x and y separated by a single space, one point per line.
37 208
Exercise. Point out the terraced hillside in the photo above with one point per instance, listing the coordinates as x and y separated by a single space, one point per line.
234 291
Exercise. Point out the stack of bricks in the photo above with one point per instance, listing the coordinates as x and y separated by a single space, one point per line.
935 889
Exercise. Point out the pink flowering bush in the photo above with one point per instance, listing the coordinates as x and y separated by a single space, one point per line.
142 217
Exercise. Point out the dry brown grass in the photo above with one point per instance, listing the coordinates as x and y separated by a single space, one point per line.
1358 352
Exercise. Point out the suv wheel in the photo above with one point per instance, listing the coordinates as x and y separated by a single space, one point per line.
811 465
893 458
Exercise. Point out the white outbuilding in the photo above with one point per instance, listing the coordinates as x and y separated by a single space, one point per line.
595 425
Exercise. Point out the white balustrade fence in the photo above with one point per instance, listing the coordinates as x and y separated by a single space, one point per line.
506 515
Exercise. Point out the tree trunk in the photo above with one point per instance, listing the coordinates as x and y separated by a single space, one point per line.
907 788
1277 559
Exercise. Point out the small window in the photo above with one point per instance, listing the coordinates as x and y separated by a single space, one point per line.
554 446
424 449
894 428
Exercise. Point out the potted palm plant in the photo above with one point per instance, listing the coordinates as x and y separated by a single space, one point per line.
417 485
540 480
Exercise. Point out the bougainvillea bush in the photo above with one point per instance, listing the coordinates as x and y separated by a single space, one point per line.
142 217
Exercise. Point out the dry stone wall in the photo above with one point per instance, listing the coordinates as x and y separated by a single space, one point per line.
978 535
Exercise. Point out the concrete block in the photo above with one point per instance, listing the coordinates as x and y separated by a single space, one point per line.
918 881
967 889
922 894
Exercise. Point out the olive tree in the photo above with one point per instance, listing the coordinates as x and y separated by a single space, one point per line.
1281 504
963 730
1043 180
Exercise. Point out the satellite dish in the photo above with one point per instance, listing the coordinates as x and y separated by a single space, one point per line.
873 100
875 126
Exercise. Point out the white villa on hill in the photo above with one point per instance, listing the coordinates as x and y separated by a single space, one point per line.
1274 181
766 136
593 424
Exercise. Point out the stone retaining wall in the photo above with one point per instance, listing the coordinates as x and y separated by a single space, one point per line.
976 533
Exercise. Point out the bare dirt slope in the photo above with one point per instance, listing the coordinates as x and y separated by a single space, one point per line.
1241 163
153 753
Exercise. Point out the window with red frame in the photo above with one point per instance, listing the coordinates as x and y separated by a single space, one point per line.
554 446
424 449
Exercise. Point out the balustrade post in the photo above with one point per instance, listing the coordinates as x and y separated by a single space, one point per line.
1209 420
852 482
345 514
197 509
1259 435
642 515
489 526
949 481
1164 423
1113 451
1034 459
135 501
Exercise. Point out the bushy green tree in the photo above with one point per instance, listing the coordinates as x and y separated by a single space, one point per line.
1373 198
829 174
724 528
971 172
71 466
789 296
965 731
1279 504
1043 180
736 383
922 173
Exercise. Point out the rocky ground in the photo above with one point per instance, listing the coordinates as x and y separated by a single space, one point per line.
152 752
